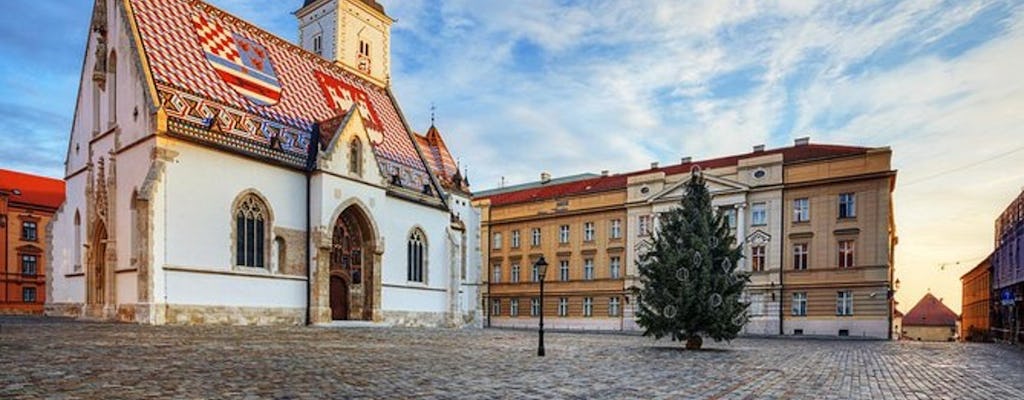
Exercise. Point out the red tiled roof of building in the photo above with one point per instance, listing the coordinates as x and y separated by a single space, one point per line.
35 190
930 312
436 154
790 154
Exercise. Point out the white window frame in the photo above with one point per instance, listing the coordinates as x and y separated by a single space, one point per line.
496 307
563 306
588 232
563 234
847 205
534 306
799 306
588 306
515 239
513 308
801 210
643 225
496 273
496 241
563 270
588 269
615 267
514 273
847 250
758 258
759 214
616 229
536 237
844 303
613 307
801 255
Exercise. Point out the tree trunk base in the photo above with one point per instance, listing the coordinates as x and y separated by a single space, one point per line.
694 342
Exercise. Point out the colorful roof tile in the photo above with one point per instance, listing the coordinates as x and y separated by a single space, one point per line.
32 189
792 154
930 312
438 158
260 93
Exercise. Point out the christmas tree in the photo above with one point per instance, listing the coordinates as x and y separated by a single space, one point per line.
691 287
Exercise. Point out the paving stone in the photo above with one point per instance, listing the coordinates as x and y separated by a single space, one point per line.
62 359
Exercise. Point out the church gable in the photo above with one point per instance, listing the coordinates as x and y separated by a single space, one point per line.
228 84
344 141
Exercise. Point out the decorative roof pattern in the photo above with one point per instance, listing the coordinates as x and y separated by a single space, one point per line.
312 89
438 158
930 312
32 189
790 154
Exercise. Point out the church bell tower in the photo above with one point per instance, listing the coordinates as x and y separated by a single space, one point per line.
353 33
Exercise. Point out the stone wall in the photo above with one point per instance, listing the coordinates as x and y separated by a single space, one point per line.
417 319
180 314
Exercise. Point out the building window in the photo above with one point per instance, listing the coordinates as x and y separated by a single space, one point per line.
563 306
615 267
514 273
616 231
364 48
496 307
535 275
513 308
355 157
846 250
28 294
497 241
799 304
588 306
759 214
588 269
844 303
757 258
757 304
515 239
318 44
801 210
613 307
29 231
800 256
77 251
588 231
417 254
496 273
563 270
534 307
535 240
730 217
563 234
251 219
643 227
847 205
29 264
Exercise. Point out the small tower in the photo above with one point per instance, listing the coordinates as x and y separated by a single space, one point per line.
353 33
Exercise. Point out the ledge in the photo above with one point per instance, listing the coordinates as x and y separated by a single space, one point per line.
413 287
266 275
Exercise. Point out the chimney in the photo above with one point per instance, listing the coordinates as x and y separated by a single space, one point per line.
802 141
685 160
759 148
604 172
654 165
545 177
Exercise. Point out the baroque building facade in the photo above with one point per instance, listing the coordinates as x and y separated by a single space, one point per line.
218 174
27 205
809 262
1008 273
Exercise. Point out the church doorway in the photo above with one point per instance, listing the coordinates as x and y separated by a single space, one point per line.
352 280
99 259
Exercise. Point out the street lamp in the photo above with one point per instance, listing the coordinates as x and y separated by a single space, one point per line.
542 268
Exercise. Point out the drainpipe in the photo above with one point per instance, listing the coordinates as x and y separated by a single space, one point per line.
782 261
311 157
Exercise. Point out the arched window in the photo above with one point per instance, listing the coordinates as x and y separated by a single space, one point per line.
355 157
251 219
78 243
417 256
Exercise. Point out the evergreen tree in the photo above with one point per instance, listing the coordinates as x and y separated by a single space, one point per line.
691 287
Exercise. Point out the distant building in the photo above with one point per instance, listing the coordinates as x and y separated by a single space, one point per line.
1008 272
977 302
814 222
930 321
27 203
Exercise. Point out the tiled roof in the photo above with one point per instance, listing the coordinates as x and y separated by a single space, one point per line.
35 190
790 154
930 312
436 154
182 40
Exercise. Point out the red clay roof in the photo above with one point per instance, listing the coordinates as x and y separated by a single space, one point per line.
436 154
790 154
35 190
930 312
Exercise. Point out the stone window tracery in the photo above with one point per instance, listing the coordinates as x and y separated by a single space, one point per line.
251 219
416 255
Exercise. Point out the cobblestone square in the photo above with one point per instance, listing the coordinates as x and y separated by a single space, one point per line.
60 359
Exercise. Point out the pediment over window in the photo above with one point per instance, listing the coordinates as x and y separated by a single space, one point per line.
758 237
29 249
714 184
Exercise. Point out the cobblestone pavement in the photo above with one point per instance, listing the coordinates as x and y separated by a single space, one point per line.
46 358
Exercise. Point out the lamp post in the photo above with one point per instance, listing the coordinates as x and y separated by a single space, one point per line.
542 268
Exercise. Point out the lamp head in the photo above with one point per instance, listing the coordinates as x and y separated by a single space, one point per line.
542 266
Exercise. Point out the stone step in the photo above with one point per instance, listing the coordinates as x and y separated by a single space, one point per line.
353 324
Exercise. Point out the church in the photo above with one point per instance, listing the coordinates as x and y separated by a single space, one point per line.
217 173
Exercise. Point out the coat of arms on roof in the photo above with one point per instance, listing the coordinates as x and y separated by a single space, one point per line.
340 96
242 63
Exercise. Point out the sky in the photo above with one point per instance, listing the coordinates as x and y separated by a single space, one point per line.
565 86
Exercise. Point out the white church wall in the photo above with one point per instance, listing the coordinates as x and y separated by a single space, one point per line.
65 287
401 217
200 288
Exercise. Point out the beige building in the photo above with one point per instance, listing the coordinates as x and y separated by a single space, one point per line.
814 222
839 236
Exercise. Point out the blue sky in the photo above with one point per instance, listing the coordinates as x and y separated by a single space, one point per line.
573 86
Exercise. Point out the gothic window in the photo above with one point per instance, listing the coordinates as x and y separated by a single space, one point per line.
251 220
417 255
282 255
112 89
78 242
318 46
355 157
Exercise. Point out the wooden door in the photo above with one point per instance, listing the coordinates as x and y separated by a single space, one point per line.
339 298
